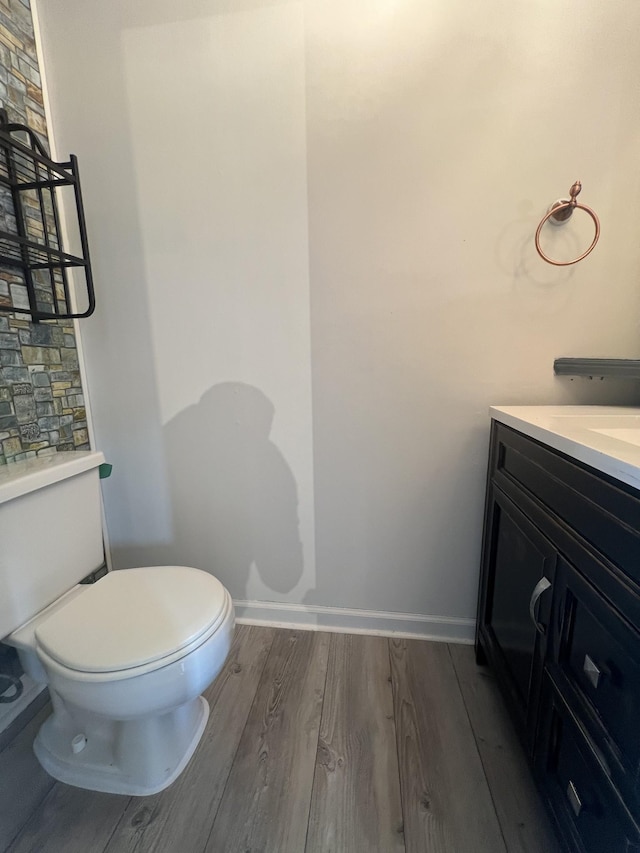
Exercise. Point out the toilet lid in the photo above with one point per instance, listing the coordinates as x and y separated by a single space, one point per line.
133 617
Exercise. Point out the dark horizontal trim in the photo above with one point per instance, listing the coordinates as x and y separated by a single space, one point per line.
620 368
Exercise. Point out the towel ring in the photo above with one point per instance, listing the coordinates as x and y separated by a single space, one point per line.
560 211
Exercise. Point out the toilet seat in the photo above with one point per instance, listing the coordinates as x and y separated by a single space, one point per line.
133 621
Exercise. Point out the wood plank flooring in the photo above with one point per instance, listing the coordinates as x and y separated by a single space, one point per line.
519 809
356 793
316 743
447 803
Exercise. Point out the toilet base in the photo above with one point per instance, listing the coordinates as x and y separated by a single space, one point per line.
134 757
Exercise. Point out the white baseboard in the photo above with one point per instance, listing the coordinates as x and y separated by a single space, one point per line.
345 620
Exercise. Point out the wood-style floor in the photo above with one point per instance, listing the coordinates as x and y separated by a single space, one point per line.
324 743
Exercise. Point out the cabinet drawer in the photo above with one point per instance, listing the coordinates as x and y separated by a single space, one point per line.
586 805
609 517
596 661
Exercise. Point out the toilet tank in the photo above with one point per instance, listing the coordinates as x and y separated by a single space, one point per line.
50 531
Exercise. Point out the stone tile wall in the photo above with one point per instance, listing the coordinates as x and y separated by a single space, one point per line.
41 399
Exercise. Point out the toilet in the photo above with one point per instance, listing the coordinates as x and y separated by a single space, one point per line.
126 658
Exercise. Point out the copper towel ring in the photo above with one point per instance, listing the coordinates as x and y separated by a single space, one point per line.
560 211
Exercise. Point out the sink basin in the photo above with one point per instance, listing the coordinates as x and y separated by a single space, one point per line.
629 434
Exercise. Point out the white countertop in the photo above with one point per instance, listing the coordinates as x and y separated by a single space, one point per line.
605 437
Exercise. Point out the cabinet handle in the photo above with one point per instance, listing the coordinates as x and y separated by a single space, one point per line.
542 585
574 800
591 671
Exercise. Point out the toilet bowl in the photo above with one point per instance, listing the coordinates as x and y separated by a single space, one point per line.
126 660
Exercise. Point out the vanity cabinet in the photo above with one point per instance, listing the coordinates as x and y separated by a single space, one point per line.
559 623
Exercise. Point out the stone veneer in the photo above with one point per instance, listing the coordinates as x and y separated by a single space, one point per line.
41 400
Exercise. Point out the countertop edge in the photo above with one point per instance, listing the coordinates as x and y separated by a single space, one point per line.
609 456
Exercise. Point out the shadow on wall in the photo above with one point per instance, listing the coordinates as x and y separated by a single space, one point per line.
234 498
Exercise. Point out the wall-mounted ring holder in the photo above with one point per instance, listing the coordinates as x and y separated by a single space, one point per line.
559 212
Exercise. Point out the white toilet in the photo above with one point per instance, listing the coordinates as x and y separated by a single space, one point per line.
125 658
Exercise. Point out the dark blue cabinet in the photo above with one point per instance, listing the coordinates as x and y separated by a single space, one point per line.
558 620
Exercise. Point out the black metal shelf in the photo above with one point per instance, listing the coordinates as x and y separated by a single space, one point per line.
32 255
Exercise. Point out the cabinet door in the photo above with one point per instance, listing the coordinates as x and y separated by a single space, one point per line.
518 572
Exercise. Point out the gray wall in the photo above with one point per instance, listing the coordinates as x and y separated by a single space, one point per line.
312 232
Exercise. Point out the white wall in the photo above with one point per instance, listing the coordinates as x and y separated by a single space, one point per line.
200 355
311 225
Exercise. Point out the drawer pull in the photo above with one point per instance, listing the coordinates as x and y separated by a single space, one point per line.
574 799
591 671
542 585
